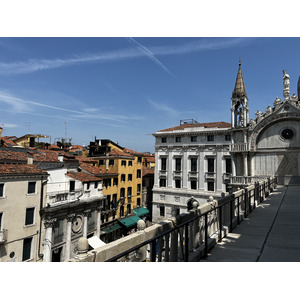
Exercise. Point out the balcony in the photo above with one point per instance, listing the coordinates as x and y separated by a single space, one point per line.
241 147
63 196
3 236
210 175
244 180
163 173
226 176
177 173
193 174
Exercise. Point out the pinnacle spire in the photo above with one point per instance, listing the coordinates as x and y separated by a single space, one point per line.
239 89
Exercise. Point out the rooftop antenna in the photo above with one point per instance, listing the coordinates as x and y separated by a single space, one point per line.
65 129
27 124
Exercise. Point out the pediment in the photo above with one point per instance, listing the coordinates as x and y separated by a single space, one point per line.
287 107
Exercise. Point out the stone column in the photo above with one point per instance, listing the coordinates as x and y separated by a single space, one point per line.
245 158
156 169
170 169
201 171
233 165
70 218
98 232
85 223
252 165
232 117
47 253
184 164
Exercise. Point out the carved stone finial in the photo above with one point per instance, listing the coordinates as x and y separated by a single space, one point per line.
286 85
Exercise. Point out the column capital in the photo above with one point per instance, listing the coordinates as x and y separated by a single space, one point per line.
70 217
49 222
86 212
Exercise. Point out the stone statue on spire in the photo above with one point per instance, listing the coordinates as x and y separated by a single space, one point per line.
286 85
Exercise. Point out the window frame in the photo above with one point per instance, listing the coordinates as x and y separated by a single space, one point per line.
3 190
210 138
28 188
27 216
29 251
193 138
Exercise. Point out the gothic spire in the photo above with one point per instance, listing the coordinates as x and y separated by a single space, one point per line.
239 89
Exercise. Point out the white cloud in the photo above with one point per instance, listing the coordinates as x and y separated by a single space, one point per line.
164 108
34 65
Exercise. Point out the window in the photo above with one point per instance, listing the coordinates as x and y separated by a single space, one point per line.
1 189
211 165
122 211
115 182
178 164
162 182
139 159
91 221
210 138
29 219
139 188
193 184
122 193
194 138
27 249
123 177
1 215
210 186
164 140
194 164
129 191
177 183
123 163
96 184
129 177
128 208
130 163
162 211
111 162
228 165
87 185
114 200
72 185
31 187
177 139
139 174
101 162
163 163
227 137
138 201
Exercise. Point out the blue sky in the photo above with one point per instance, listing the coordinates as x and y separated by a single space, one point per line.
124 89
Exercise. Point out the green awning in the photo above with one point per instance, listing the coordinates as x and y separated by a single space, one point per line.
111 228
130 221
141 211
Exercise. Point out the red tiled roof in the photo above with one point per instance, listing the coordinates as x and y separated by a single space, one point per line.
94 170
205 125
83 176
148 171
115 152
21 169
7 142
126 150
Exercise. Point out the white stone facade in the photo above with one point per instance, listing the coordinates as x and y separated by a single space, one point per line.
190 165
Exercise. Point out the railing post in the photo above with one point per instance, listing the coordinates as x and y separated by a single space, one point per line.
153 251
205 234
174 239
231 212
238 210
220 223
167 248
186 243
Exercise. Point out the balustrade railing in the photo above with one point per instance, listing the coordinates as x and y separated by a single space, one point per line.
241 147
195 232
188 236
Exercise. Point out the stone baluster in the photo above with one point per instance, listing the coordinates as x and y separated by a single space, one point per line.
85 223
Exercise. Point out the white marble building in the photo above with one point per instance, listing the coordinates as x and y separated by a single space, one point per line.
192 163
195 161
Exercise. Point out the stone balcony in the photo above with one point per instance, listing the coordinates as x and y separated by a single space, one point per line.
210 175
239 147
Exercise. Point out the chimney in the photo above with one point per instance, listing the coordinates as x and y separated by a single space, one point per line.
60 158
30 159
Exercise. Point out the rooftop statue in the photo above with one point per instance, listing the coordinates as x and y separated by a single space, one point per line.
286 85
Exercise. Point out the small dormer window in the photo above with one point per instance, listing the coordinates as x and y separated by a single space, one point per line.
164 140
210 138
178 139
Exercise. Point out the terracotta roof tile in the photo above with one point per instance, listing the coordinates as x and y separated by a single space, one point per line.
115 152
148 171
95 170
21 169
205 125
126 150
84 177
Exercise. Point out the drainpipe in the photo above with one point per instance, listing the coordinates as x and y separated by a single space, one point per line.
40 255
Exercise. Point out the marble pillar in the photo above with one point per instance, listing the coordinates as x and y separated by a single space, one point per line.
47 252
70 218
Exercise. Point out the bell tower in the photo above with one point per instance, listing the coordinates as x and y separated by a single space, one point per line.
239 102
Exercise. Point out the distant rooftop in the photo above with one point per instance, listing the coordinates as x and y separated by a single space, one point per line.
196 124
